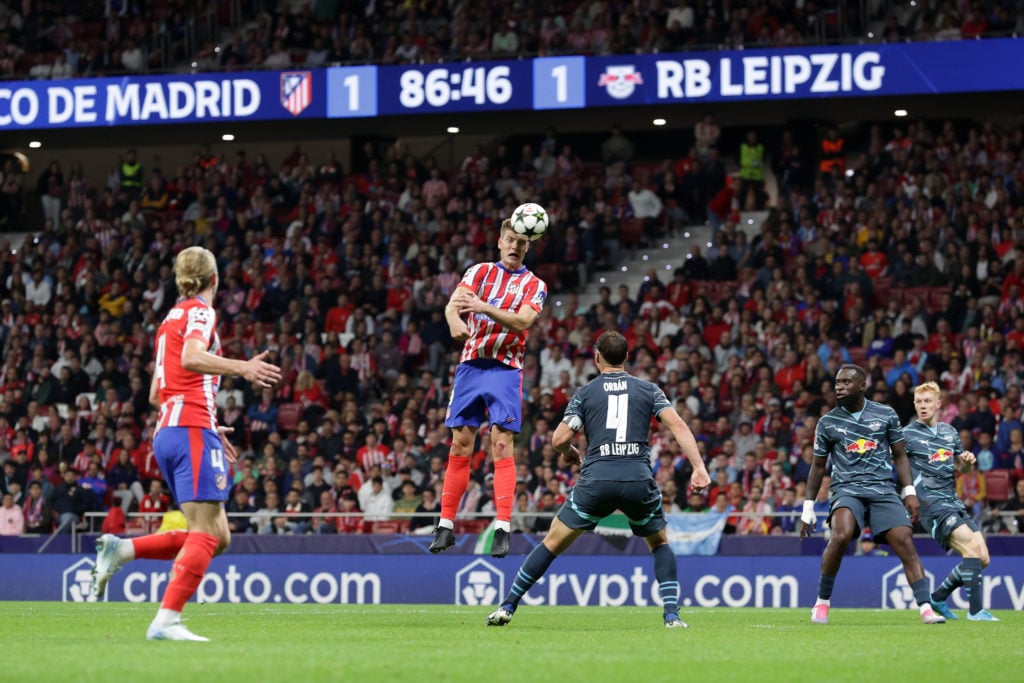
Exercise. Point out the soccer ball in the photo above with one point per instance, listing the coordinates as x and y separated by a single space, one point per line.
530 220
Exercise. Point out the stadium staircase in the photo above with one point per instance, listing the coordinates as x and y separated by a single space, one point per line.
639 263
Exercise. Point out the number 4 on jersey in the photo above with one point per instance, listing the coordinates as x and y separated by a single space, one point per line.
618 415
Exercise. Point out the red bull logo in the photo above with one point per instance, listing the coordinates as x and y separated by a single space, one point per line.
620 81
861 446
941 455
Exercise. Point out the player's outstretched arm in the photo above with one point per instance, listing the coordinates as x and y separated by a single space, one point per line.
195 358
700 479
906 478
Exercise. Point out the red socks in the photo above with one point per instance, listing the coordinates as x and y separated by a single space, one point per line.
189 569
504 488
162 546
456 480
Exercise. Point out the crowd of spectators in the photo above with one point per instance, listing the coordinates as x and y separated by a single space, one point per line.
63 39
910 261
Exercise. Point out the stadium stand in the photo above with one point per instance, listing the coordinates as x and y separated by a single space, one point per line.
91 38
910 263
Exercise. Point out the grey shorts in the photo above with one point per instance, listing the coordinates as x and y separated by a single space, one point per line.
591 501
941 517
876 511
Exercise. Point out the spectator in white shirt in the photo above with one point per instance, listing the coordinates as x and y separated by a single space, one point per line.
379 502
280 58
131 57
646 205
505 40
38 289
553 366
680 14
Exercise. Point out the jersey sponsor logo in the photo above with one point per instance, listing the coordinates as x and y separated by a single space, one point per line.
538 298
862 446
941 455
875 426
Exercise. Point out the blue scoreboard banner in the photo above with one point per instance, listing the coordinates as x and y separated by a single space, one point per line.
180 98
544 83
601 580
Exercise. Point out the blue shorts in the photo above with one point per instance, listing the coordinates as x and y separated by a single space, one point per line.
940 518
192 461
591 501
485 389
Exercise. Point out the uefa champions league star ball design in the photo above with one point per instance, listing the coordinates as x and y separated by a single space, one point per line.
530 220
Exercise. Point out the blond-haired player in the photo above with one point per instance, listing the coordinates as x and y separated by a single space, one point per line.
935 452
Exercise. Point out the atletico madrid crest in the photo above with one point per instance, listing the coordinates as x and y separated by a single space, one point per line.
296 91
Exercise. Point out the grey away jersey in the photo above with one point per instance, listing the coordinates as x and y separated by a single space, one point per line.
932 454
614 410
859 448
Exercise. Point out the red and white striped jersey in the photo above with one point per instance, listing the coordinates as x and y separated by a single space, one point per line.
187 399
508 290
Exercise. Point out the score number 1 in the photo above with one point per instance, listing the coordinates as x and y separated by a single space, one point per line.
351 91
559 83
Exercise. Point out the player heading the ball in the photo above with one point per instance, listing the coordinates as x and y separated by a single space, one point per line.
501 300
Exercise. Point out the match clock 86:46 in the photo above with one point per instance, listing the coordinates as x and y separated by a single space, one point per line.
438 88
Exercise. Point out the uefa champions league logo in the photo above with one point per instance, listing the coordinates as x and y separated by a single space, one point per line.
77 582
479 583
896 591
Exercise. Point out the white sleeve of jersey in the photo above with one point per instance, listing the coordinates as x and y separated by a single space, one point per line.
201 319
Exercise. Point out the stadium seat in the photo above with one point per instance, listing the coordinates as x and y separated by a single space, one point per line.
549 273
471 526
997 485
632 232
288 416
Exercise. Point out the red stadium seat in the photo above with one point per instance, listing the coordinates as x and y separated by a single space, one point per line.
288 417
632 232
471 526
549 273
997 485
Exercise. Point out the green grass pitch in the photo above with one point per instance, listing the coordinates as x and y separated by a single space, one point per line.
395 644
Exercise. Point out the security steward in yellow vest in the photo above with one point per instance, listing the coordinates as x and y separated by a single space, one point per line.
131 175
752 171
